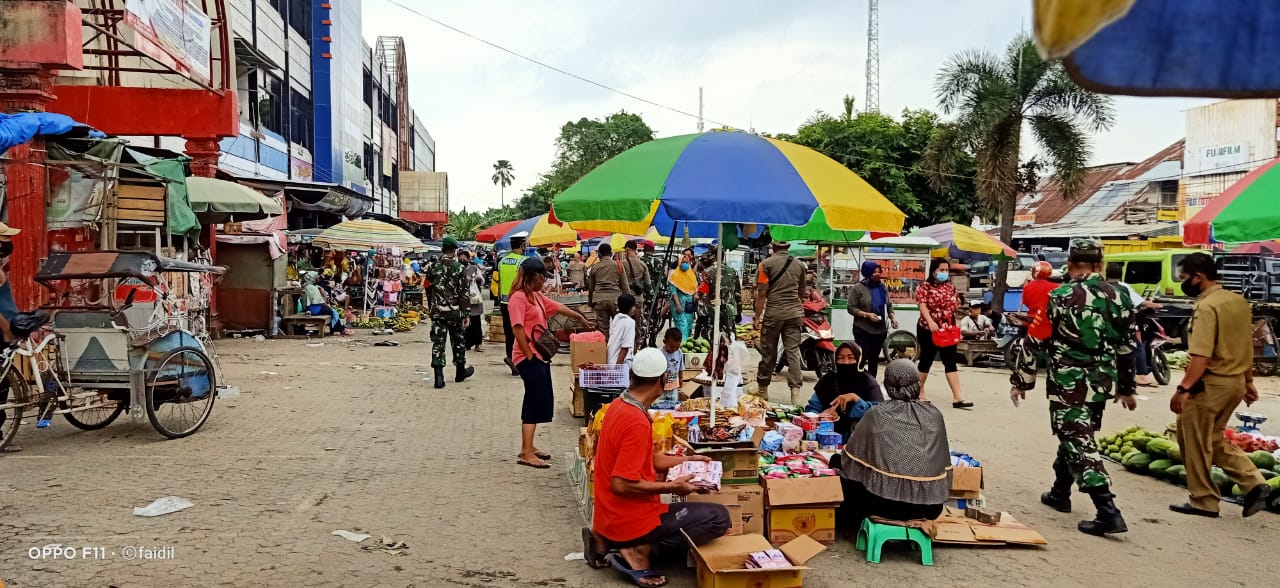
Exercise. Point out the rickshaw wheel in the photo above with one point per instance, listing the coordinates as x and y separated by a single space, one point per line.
18 391
181 392
94 418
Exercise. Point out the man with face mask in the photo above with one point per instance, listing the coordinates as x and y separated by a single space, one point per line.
1090 355
1219 376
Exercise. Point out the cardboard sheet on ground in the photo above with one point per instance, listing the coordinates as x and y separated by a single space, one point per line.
953 528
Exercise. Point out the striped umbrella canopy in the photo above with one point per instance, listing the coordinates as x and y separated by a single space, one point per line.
1165 47
365 234
492 234
722 177
959 241
1245 212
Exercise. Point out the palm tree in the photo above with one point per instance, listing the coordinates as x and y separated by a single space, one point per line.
991 97
848 106
502 177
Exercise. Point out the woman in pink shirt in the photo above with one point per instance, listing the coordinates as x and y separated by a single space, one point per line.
529 310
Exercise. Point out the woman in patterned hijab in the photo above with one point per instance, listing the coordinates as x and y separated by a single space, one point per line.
897 463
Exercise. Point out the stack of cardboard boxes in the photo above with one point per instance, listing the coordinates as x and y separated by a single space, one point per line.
579 353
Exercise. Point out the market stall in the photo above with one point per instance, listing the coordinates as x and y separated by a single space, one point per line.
905 263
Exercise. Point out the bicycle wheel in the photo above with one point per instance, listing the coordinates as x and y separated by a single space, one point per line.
181 392
900 345
92 419
16 394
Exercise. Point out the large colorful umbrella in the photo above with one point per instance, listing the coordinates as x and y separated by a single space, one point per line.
492 234
365 234
722 177
1243 213
959 241
1165 47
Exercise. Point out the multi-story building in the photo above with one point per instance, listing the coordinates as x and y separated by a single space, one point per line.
1225 141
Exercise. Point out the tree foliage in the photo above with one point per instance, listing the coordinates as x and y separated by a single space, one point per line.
887 153
993 97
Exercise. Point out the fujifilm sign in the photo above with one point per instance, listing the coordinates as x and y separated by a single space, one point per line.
1217 158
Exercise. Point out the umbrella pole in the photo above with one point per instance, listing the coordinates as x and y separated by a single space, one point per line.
715 321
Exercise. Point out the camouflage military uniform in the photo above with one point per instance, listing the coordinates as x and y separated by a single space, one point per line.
447 302
730 297
1089 360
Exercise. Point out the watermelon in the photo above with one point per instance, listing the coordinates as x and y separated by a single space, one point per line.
1275 484
1160 447
1262 459
1236 490
1141 444
1175 454
1158 467
1221 480
1138 462
1176 473
1267 474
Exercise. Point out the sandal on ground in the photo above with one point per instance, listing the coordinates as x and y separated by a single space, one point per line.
533 464
962 404
637 577
543 455
595 559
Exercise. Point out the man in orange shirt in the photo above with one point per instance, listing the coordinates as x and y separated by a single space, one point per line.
629 514
1035 296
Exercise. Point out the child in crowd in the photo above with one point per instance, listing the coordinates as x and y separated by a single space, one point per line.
622 332
675 364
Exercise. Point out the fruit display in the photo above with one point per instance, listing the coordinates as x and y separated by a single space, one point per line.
696 346
1177 360
369 322
748 335
1142 451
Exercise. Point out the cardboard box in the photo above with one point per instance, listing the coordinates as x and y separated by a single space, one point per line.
723 563
803 507
750 499
966 482
956 529
582 352
741 466
576 404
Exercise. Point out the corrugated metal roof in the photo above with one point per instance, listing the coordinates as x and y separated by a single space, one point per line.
1099 229
1107 189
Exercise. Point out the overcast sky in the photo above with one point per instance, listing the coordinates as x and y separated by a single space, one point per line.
763 65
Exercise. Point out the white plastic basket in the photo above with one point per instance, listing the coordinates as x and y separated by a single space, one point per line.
605 376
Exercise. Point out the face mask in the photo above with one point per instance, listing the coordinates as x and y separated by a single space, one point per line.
846 374
1191 289
684 267
6 248
942 276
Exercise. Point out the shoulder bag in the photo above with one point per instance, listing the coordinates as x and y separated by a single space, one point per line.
545 343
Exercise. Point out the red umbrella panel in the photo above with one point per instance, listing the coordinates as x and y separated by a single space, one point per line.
492 234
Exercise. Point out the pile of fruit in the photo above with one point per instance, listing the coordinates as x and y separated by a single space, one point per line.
693 345
404 322
369 322
747 334
1142 451
1178 360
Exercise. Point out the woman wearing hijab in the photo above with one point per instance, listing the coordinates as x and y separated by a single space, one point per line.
895 465
684 286
847 391
314 299
870 307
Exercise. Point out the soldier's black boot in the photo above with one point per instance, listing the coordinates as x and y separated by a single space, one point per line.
1108 520
463 372
439 377
1059 496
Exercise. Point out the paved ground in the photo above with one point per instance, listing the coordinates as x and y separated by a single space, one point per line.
322 444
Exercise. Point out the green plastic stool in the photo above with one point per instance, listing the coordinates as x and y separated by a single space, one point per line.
873 536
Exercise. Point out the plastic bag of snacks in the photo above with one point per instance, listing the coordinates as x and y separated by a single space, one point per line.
598 420
663 433
794 465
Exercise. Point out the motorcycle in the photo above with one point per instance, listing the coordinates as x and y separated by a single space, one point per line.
1012 337
817 342
1152 334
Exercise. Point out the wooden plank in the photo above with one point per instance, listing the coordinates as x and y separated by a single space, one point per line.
145 191
139 204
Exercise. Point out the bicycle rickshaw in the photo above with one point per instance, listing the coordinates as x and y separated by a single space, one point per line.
101 365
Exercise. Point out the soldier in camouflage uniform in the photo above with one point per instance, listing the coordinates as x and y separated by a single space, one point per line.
730 293
656 297
448 303
1090 356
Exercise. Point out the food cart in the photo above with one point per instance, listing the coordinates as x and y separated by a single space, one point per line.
905 262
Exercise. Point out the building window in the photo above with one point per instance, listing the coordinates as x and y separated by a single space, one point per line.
280 6
300 17
300 113
368 163
1169 195
271 103
368 89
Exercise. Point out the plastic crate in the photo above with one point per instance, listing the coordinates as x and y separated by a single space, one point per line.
605 376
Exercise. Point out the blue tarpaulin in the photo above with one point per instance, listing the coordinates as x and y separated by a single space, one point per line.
16 129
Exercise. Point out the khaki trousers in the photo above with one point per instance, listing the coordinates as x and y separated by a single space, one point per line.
1200 426
604 311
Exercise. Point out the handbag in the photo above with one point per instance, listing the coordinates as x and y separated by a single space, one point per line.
690 307
545 343
948 336
473 294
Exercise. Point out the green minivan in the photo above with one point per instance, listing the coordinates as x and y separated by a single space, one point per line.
1151 273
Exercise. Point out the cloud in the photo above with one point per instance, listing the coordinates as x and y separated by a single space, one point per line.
765 65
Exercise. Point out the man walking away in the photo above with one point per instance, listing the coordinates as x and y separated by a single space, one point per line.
1220 375
508 267
448 302
1090 349
780 315
637 274
605 281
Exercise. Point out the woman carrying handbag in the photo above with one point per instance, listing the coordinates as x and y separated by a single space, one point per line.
937 331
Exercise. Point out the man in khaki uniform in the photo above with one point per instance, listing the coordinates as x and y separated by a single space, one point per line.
637 275
606 281
1219 376
780 315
